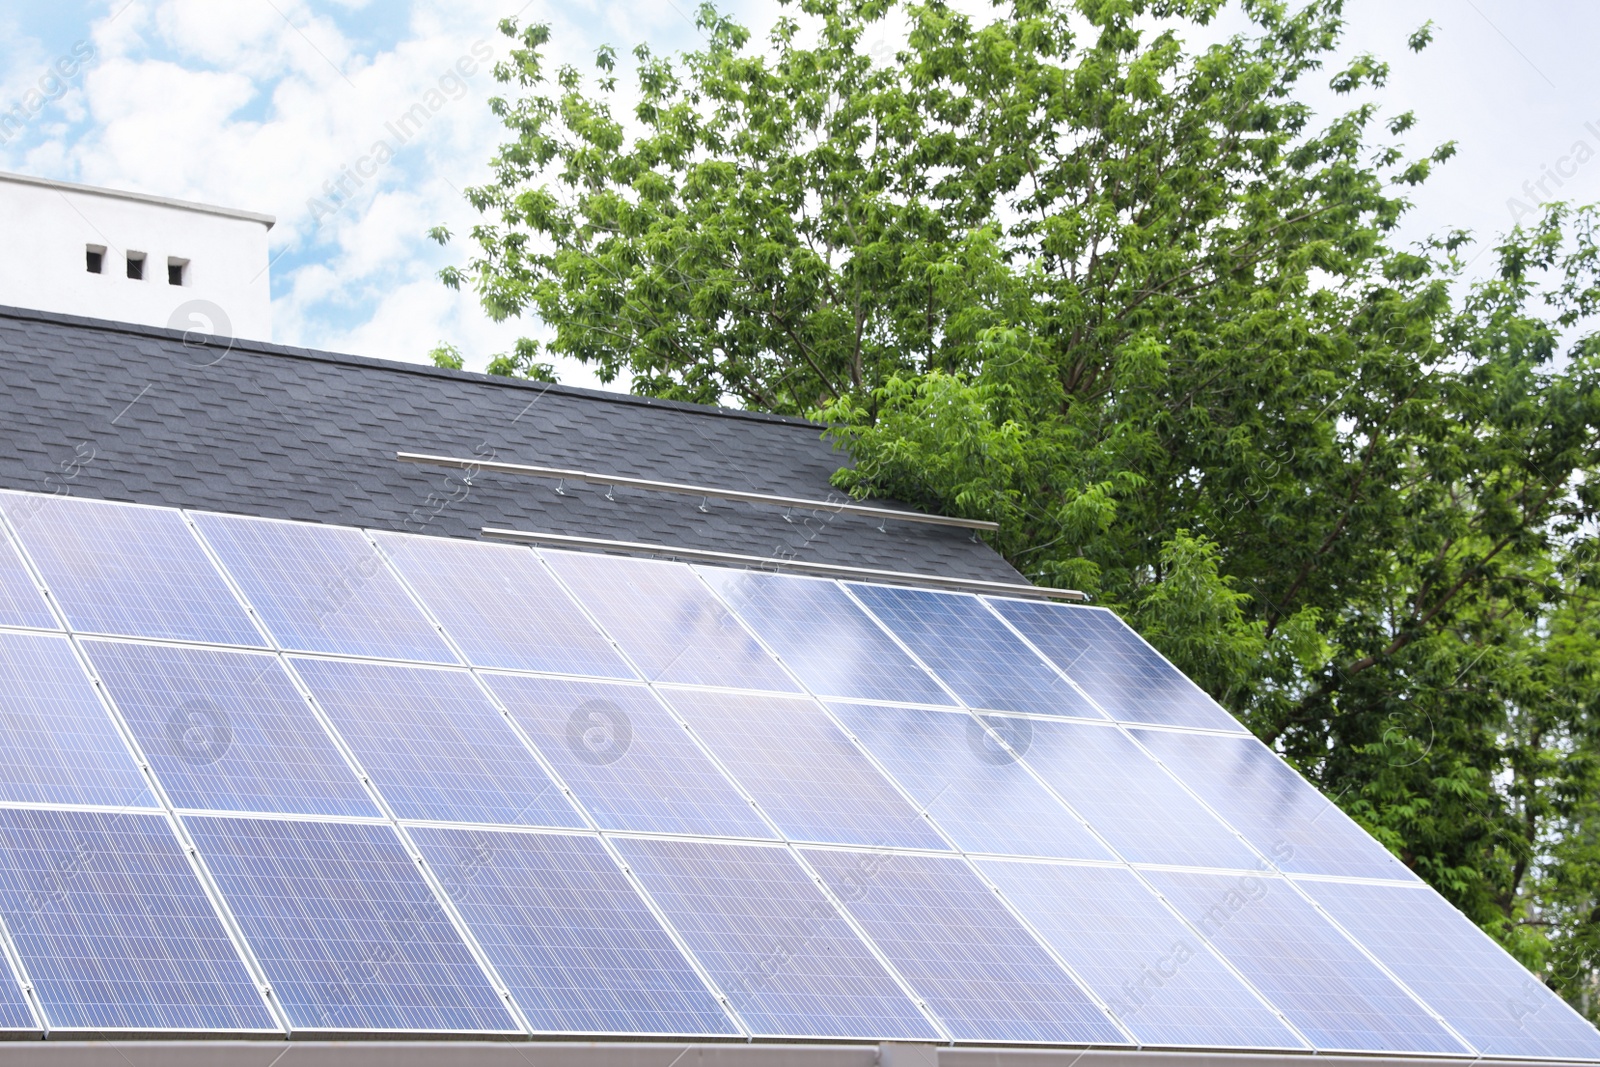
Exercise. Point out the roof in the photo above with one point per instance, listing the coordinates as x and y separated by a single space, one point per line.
117 194
130 413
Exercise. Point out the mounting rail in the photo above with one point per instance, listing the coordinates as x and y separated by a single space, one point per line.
704 492
831 570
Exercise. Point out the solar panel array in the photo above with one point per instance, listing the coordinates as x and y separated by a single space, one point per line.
270 777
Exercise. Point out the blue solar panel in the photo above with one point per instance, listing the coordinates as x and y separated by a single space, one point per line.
501 606
975 790
1302 964
628 761
1276 809
972 651
824 637
979 970
347 930
127 569
565 930
1125 676
671 625
322 589
803 770
57 743
1487 996
114 928
15 1016
434 745
786 961
1154 972
227 731
20 601
1130 799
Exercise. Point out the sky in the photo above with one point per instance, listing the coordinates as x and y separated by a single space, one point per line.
262 104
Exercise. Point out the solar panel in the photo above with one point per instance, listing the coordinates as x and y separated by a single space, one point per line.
713 777
1129 799
15 1017
227 731
803 770
975 790
114 928
434 746
346 929
20 602
1331 993
973 652
1125 676
1154 973
581 952
501 607
128 569
824 636
629 762
322 589
668 622
57 744
1278 811
787 962
1484 994
979 970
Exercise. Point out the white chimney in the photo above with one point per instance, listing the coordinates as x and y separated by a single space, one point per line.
82 250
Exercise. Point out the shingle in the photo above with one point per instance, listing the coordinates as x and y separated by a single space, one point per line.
290 433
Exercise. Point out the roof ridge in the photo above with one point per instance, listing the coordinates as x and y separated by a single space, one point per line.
399 366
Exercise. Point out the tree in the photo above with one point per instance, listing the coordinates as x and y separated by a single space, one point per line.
522 362
1135 304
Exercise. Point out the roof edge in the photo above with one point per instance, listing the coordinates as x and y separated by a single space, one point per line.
268 221
74 1051
402 367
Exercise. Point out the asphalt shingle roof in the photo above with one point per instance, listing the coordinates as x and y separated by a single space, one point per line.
119 412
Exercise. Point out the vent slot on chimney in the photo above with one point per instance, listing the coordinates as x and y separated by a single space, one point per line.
136 266
176 270
95 257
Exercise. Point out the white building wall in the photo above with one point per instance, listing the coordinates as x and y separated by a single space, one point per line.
47 228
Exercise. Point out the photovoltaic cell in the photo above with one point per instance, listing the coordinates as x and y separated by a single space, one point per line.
344 925
784 958
1154 973
1487 996
127 569
434 745
566 931
972 651
322 589
14 1014
57 743
114 928
1129 798
803 770
20 602
1302 964
824 637
1125 676
977 968
501 606
1280 813
975 790
630 763
669 622
227 731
